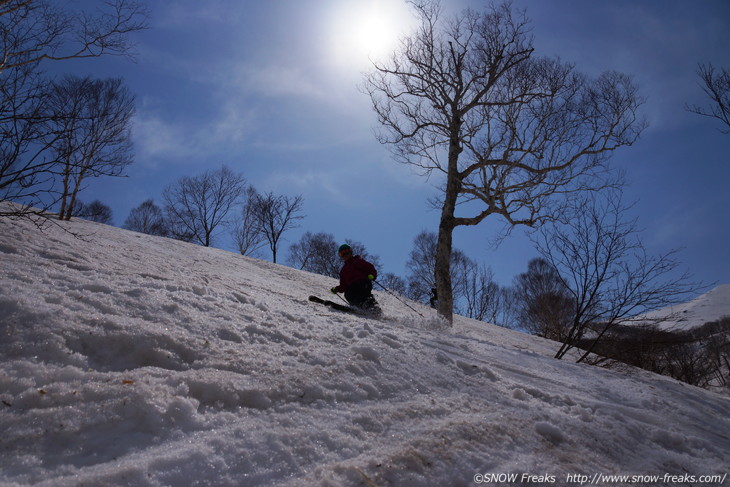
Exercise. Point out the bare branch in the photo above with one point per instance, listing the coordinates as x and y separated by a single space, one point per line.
602 262
716 86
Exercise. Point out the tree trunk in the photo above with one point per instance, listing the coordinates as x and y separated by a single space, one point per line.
71 205
66 190
74 194
442 274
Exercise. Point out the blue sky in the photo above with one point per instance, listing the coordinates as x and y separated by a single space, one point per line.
269 88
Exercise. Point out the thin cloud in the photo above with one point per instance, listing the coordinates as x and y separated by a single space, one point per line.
155 139
278 81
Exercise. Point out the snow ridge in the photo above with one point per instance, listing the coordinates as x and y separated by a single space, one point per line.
710 306
129 359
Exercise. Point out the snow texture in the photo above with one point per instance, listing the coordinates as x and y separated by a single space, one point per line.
132 360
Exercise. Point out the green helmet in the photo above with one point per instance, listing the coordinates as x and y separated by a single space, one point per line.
344 247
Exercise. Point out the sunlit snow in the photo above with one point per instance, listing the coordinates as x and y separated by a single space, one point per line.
128 359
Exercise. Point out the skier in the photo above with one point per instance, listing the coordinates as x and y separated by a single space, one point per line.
434 298
356 280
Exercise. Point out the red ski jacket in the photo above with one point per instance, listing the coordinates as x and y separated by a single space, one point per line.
354 270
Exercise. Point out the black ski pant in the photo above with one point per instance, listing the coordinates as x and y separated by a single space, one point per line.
360 294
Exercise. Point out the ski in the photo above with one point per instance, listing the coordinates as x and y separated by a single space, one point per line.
377 313
333 305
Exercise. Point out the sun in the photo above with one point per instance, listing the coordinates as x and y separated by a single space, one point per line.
367 30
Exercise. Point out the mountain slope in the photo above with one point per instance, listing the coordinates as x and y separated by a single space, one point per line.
129 359
710 306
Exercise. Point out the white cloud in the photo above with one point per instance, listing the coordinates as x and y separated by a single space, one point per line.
154 139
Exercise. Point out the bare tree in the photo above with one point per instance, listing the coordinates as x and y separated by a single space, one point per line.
421 266
716 85
35 32
465 97
505 308
717 349
544 306
481 294
38 30
26 173
196 206
90 134
393 283
275 215
422 269
96 211
607 271
317 253
147 218
247 231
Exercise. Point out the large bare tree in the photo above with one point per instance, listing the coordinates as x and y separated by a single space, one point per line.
90 132
197 206
34 33
508 131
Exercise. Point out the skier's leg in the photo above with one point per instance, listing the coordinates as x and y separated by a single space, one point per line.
357 294
361 295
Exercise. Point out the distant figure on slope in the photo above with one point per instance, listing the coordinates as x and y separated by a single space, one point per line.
356 281
434 298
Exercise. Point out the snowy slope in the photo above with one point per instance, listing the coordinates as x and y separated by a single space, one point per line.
128 359
710 306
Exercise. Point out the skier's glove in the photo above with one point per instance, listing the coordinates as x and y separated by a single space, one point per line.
371 277
333 290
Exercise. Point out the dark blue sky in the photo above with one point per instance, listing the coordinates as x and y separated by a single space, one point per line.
270 89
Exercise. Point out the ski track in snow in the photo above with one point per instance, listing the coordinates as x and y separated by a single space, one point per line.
134 360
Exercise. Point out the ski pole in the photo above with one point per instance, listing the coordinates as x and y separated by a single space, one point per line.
399 299
343 299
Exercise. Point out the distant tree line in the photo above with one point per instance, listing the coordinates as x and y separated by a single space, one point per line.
197 208
699 356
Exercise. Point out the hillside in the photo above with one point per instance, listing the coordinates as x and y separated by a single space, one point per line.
128 359
710 306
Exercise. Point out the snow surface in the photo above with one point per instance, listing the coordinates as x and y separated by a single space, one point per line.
135 360
710 306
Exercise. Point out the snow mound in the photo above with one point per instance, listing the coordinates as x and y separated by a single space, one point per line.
131 360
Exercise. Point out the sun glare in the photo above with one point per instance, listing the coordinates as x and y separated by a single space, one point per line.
367 29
